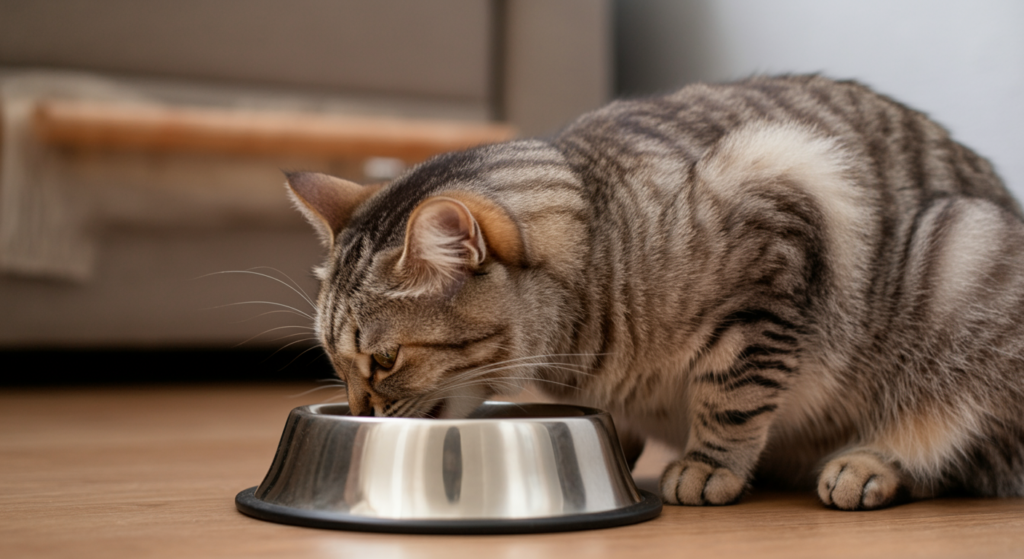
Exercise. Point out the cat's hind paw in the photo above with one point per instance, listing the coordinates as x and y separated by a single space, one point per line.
858 480
694 482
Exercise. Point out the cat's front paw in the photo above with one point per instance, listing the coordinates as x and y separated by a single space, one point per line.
858 480
691 482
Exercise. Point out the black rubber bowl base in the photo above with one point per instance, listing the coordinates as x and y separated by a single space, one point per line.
649 507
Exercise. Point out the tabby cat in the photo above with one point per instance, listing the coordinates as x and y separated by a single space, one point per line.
791 279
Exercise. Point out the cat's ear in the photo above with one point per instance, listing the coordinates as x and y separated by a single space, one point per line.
443 245
449 237
327 202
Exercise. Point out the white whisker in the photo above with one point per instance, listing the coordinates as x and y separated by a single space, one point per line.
295 288
308 338
297 311
504 381
335 399
267 331
264 314
518 363
307 350
294 283
501 366
582 368
317 389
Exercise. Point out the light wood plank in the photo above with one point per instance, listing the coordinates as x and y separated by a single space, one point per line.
152 472
158 128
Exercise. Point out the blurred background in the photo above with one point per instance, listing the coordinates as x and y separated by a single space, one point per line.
144 230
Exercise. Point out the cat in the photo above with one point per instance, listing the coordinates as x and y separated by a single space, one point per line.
791 279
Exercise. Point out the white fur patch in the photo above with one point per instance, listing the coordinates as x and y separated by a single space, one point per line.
769 155
970 248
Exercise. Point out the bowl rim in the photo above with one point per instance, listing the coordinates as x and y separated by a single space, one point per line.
586 413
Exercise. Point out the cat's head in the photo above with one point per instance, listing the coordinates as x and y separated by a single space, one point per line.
419 304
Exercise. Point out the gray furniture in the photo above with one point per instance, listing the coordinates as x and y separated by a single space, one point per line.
114 247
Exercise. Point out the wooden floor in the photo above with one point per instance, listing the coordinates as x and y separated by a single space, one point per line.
152 472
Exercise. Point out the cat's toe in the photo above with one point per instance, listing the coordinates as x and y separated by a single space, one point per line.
688 482
858 481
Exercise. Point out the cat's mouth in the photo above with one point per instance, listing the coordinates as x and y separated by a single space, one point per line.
437 411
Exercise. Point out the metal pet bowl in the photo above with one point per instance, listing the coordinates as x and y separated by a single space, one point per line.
508 468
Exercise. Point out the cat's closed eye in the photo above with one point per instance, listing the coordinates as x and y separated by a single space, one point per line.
386 359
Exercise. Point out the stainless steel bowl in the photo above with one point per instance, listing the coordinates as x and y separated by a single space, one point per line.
508 468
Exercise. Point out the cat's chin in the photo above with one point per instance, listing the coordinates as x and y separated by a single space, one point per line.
438 411
459 407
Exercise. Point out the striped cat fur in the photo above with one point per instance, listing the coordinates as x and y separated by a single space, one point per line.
790 279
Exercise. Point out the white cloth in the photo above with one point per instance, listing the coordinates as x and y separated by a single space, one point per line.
44 228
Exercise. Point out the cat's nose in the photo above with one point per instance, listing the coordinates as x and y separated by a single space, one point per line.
360 405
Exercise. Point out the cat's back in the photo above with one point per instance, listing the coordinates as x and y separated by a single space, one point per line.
897 149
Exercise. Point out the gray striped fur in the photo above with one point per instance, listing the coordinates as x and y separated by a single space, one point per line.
789 279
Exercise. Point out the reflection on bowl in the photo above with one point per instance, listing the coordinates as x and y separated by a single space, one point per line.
507 468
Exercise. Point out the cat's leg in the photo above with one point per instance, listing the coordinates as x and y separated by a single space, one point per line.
860 479
915 454
699 481
924 456
735 392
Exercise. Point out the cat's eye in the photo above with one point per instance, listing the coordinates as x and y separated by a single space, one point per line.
386 359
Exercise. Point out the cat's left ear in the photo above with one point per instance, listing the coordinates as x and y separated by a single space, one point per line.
327 202
449 237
